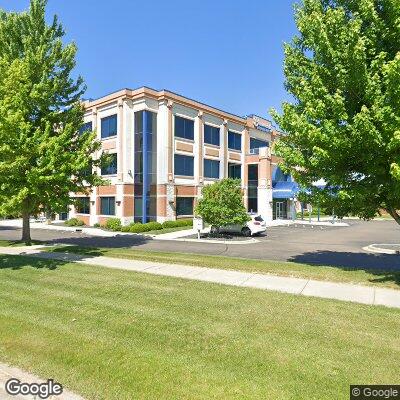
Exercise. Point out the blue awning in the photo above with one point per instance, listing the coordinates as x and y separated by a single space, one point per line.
285 190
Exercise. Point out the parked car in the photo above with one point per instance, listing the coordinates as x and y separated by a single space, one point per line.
253 227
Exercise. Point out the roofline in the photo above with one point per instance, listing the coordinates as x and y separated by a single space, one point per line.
170 95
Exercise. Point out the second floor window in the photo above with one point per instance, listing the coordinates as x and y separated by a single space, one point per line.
183 165
110 167
211 169
87 126
211 135
184 128
234 141
109 126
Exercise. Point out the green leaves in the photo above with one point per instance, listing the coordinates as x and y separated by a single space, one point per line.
343 70
42 154
222 203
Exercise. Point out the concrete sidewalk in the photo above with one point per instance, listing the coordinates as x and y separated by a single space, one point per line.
7 372
306 287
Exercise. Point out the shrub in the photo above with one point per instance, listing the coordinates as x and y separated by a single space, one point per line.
126 228
114 224
178 223
97 225
74 222
153 226
150 226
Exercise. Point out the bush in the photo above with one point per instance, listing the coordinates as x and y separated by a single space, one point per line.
74 222
150 226
153 226
126 228
114 224
178 223
97 225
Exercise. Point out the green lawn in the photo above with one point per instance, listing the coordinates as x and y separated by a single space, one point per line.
390 279
112 334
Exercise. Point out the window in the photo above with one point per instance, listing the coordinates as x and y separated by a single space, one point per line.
83 205
184 206
234 141
211 169
111 167
235 171
109 126
252 191
184 128
211 135
184 165
107 205
87 126
256 144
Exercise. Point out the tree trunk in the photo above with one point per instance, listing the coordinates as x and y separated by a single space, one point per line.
394 214
26 228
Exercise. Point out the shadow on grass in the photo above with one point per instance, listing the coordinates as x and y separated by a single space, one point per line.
18 262
386 267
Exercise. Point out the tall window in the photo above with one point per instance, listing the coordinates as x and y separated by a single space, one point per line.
234 141
109 126
83 205
211 168
211 135
184 128
87 126
111 167
234 171
184 206
252 200
256 145
183 165
107 205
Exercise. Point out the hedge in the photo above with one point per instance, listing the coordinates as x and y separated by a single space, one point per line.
74 222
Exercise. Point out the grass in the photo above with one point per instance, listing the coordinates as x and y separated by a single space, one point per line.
379 278
111 334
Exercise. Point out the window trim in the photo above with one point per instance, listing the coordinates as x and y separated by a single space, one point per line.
219 135
185 118
180 175
241 141
115 208
116 159
204 168
101 127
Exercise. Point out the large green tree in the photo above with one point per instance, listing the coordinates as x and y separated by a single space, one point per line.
222 204
43 154
343 125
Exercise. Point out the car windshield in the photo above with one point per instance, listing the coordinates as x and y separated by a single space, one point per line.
258 218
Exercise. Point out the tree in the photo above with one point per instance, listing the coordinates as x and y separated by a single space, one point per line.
44 155
343 71
222 204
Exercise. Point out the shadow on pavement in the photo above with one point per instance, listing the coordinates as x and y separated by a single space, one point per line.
385 266
108 242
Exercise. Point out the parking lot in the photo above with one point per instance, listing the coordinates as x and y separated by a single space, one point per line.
325 245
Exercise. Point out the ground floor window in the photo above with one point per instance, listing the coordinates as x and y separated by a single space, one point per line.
107 205
83 205
234 171
184 206
63 216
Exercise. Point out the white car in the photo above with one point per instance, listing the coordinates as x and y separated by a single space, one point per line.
253 227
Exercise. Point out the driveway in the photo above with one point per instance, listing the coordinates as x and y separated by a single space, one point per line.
325 245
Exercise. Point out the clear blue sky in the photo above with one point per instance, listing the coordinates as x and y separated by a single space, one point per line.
226 53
